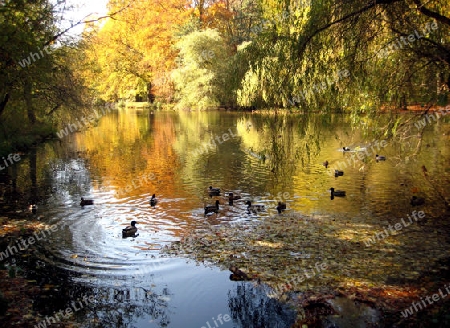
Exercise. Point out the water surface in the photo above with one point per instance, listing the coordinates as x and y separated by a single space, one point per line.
176 155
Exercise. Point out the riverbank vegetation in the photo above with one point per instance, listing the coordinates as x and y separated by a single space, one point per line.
354 57
330 55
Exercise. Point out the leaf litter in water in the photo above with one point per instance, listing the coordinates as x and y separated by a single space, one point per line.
319 256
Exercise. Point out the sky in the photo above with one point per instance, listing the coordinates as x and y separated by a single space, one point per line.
81 9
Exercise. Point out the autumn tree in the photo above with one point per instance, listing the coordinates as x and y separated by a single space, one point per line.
133 52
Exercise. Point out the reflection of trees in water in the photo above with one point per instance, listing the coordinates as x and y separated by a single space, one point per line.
288 141
113 307
117 308
250 307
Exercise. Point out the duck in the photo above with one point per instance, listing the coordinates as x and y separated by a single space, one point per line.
424 170
232 197
33 208
325 164
254 208
238 275
337 193
213 191
130 230
345 149
153 200
86 202
380 158
338 173
281 207
212 208
416 201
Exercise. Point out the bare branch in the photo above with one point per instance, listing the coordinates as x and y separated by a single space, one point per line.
432 14
54 38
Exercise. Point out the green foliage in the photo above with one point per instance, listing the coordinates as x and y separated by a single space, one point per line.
192 25
202 70
293 54
38 82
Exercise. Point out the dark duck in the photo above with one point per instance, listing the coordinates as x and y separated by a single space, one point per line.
129 231
232 197
337 193
380 158
212 208
417 201
238 275
153 200
213 191
85 202
254 208
281 207
33 207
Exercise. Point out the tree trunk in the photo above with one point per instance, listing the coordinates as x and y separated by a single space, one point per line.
29 103
3 103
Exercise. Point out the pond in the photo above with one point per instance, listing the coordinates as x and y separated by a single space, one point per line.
265 158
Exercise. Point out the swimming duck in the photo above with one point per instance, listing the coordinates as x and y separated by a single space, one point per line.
213 191
153 200
212 208
33 208
130 230
86 202
232 197
238 275
345 149
337 193
281 207
380 158
254 208
416 201
325 164
338 173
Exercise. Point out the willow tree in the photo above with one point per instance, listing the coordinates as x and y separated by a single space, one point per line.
201 75
396 52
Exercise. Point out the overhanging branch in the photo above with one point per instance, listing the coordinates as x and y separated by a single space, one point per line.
371 5
54 38
427 12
